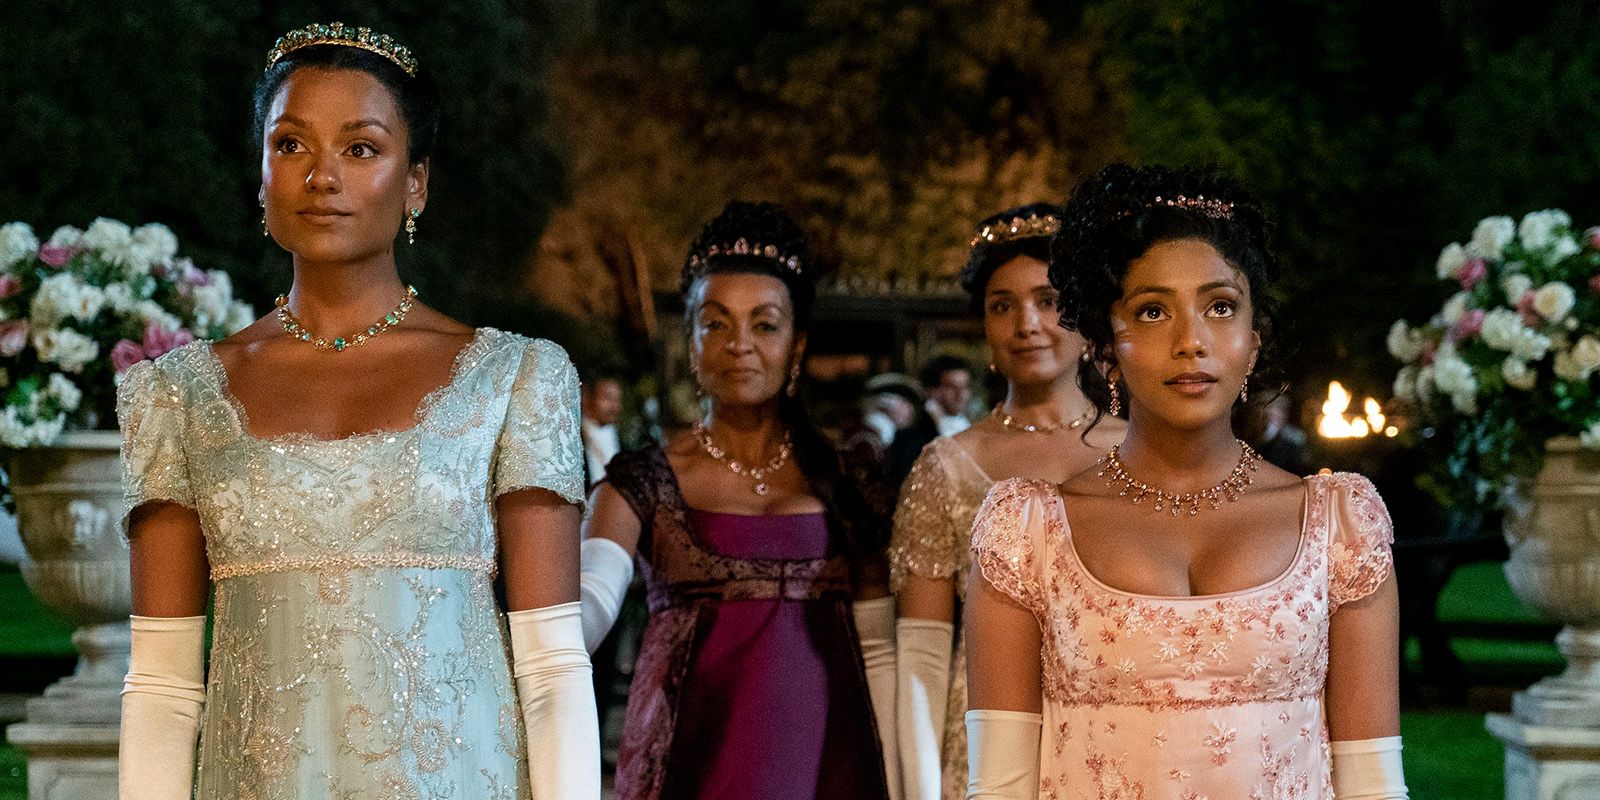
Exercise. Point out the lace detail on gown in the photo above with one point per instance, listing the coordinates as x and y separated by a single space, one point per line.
357 649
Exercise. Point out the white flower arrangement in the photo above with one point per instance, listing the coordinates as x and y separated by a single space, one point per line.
1513 356
80 309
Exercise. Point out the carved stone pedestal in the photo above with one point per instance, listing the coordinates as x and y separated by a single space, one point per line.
69 510
1546 762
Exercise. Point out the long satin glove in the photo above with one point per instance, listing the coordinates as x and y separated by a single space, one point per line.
1003 754
161 701
1368 769
923 648
875 629
554 688
607 571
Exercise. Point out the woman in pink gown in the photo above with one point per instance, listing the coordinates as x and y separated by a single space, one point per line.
1182 620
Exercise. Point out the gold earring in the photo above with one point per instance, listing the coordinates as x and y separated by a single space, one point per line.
1244 391
411 226
1116 399
794 379
993 368
264 230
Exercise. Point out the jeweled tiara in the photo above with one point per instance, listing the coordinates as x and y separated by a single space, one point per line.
341 34
1214 208
1010 230
743 247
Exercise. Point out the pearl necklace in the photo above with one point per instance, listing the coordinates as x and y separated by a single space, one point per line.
1011 424
1230 488
297 329
758 474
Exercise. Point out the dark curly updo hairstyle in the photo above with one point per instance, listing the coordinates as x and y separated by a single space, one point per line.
417 97
760 239
1119 214
987 256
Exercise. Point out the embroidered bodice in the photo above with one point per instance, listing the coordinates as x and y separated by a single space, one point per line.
1199 698
357 650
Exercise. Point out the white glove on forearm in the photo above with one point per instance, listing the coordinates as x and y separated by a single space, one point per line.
1003 754
1368 769
161 701
557 698
875 629
607 571
923 649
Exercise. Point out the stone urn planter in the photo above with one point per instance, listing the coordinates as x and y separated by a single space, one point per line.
69 513
1552 525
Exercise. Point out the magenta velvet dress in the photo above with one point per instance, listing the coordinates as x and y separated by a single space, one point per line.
749 684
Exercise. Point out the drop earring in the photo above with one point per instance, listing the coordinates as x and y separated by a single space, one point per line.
1244 391
794 379
411 225
1116 399
264 230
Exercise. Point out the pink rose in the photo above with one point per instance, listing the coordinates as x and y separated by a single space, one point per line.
13 337
1429 350
1471 272
1593 237
191 274
1594 284
1530 317
125 354
10 285
159 340
1469 324
56 256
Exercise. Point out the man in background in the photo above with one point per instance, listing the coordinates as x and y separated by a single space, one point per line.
601 405
948 381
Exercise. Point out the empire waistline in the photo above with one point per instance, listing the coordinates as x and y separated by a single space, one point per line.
355 561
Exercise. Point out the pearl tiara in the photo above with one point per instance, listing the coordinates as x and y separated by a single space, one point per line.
337 33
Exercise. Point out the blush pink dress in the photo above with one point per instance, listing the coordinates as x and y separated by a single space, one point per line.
1214 697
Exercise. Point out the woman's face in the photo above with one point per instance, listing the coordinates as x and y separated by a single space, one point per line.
1022 325
335 176
1184 339
743 339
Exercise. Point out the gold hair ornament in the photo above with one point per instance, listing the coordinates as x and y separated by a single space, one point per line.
338 33
1199 204
743 247
1010 230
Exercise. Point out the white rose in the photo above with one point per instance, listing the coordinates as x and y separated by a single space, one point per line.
240 316
65 236
1518 375
1564 247
1404 344
1591 437
1425 384
1567 368
119 296
1455 307
1515 287
1491 236
108 236
157 241
1538 229
1450 259
1587 353
1554 300
64 391
150 311
17 243
1451 375
65 347
1503 330
1405 383
1465 402
56 298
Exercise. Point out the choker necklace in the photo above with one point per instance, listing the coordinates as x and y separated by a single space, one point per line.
1230 487
1011 424
758 474
297 330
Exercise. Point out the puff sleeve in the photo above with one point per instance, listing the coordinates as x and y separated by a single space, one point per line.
1011 537
150 412
925 539
540 445
1360 553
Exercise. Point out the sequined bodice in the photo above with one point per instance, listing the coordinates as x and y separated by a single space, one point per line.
1198 697
357 644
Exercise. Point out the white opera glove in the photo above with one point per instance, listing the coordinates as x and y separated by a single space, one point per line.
607 571
554 688
1368 769
1003 754
875 630
161 701
923 648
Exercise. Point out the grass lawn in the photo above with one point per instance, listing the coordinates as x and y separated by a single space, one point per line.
1449 756
13 774
27 628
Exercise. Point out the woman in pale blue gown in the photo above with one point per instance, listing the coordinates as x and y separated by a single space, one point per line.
348 474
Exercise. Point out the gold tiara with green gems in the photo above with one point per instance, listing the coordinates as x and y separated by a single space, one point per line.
338 33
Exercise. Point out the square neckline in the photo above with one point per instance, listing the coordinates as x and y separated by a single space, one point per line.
1300 554
458 369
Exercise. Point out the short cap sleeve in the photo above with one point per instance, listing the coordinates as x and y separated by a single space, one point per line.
540 444
1010 539
1360 552
925 540
150 412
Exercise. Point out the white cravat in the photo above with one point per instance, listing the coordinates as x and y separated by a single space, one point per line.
948 424
600 443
